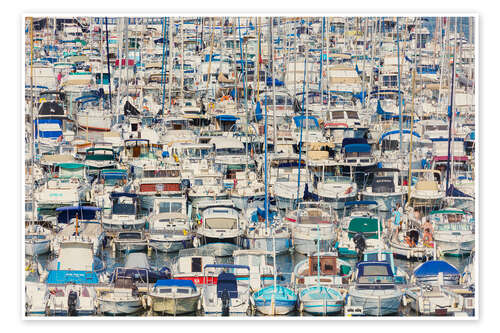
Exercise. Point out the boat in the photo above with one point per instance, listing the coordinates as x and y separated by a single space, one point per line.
318 280
67 187
221 228
129 241
223 292
426 193
72 279
431 296
175 297
260 274
374 289
169 225
385 188
190 265
123 298
361 230
79 223
454 231
37 240
313 224
124 212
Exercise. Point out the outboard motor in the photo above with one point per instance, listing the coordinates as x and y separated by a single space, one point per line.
360 244
72 300
225 303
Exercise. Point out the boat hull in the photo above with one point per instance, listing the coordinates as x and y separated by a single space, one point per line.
175 306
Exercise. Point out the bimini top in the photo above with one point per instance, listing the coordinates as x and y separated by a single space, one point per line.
434 267
70 165
67 213
405 131
115 195
175 283
358 148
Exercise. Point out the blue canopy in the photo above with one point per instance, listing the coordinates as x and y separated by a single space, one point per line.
434 267
361 202
68 213
405 131
358 148
114 195
300 119
175 283
226 117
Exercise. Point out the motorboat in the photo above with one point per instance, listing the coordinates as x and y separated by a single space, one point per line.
124 213
374 289
175 297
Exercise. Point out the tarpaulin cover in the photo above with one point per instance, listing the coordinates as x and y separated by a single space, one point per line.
175 283
434 267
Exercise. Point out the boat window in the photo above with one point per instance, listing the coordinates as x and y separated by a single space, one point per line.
129 235
352 115
230 151
176 207
375 270
165 290
196 265
183 291
337 115
198 182
123 209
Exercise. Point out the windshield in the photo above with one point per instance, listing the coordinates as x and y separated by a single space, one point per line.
170 207
230 151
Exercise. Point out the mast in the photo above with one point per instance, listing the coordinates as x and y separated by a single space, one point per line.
32 126
271 63
164 28
265 161
450 116
171 61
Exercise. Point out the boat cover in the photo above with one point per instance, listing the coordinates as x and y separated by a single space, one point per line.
175 283
434 267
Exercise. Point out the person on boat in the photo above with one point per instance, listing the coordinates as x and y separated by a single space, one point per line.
428 240
396 220
409 240
428 225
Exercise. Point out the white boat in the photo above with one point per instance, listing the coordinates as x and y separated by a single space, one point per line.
68 188
37 296
374 289
426 192
79 222
221 228
129 241
169 225
384 189
313 224
124 213
175 297
190 265
122 299
453 231
224 293
37 240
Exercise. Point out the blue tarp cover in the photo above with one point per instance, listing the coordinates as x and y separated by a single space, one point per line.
299 120
226 117
227 282
76 277
358 148
434 267
350 141
175 283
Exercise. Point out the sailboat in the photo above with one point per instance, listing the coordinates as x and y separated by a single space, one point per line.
274 299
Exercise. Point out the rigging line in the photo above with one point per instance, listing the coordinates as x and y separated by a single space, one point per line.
109 71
